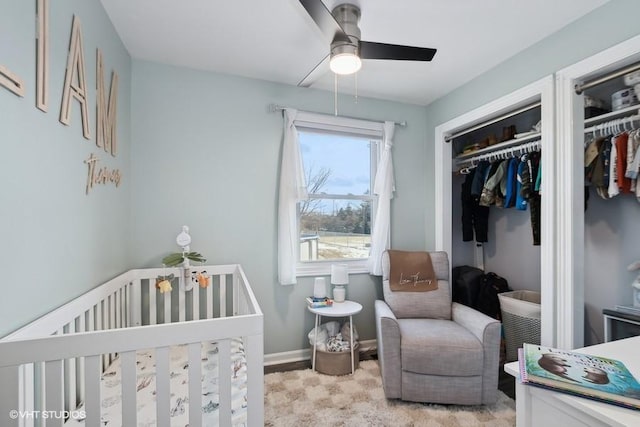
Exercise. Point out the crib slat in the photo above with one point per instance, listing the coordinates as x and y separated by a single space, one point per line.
70 377
195 385
128 372
224 382
209 303
28 392
153 318
182 305
254 350
92 389
196 303
54 390
223 295
167 307
80 363
163 391
118 308
136 303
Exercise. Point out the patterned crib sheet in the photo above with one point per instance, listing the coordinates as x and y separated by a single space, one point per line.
179 382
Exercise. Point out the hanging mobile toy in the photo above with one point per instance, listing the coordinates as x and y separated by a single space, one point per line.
182 259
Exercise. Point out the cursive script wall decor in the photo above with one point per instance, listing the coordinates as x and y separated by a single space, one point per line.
75 89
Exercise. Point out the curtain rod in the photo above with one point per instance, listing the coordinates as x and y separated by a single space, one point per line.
492 121
615 74
275 107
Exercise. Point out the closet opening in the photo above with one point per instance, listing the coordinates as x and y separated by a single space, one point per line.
611 194
495 228
515 129
598 112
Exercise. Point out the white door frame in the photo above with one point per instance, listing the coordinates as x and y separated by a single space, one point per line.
570 137
542 90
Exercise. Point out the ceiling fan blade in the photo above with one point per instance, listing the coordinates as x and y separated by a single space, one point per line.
373 50
315 74
324 20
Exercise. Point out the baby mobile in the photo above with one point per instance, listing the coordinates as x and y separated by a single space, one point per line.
182 259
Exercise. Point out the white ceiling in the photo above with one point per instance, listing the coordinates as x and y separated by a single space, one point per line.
276 40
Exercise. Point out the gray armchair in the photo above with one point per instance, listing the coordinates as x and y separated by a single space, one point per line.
433 350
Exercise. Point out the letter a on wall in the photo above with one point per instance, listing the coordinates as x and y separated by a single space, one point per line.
75 82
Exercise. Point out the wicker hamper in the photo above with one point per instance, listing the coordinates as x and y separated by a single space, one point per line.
520 320
336 362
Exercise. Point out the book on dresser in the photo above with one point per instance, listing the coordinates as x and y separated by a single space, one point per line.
584 375
314 302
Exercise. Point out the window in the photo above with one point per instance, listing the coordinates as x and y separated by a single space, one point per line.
329 209
335 221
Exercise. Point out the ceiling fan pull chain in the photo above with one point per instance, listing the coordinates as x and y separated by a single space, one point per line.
335 94
356 78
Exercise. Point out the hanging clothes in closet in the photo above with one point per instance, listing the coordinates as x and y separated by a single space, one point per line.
612 164
512 182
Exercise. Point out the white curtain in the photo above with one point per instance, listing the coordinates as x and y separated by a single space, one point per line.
293 188
384 187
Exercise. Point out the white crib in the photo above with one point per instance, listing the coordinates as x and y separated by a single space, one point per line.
51 369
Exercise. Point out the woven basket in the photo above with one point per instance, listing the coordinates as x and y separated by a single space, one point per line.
520 320
336 362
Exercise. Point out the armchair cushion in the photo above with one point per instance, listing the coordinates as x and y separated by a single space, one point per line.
439 347
434 304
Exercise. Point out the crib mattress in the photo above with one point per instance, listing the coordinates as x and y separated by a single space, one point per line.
179 382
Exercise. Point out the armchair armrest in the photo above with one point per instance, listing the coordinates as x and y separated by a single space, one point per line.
487 330
389 357
479 324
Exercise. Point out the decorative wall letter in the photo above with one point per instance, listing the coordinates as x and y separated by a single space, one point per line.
75 82
106 114
42 58
12 82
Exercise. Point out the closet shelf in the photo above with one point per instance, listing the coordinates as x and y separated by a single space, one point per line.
499 146
612 115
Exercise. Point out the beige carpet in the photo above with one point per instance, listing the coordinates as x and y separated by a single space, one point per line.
306 398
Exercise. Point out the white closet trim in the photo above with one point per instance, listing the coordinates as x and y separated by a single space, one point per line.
540 90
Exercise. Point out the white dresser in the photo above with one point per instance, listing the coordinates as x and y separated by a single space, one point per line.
540 407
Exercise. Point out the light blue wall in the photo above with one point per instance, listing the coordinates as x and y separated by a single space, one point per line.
206 153
606 282
57 242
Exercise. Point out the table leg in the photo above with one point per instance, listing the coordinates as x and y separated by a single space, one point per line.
315 343
351 339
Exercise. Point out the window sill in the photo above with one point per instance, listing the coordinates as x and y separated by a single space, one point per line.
323 268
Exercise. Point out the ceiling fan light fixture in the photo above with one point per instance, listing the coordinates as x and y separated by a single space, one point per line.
345 63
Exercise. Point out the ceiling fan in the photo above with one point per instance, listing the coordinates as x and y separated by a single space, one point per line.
340 26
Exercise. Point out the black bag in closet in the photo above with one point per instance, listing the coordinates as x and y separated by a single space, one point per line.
466 284
473 288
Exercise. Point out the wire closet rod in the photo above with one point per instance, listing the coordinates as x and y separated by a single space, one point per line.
275 107
505 152
613 126
613 75
492 121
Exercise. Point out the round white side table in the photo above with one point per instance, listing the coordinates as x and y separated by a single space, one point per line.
338 309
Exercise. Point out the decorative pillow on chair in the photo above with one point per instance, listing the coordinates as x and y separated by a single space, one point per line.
433 304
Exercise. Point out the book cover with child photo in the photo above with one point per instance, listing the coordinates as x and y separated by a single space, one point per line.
581 374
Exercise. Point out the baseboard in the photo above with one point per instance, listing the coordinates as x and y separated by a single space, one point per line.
367 346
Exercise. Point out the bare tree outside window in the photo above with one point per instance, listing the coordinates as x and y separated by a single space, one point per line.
335 220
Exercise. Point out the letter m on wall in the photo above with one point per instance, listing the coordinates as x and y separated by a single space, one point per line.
106 111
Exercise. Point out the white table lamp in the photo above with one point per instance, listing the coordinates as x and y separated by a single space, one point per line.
339 278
